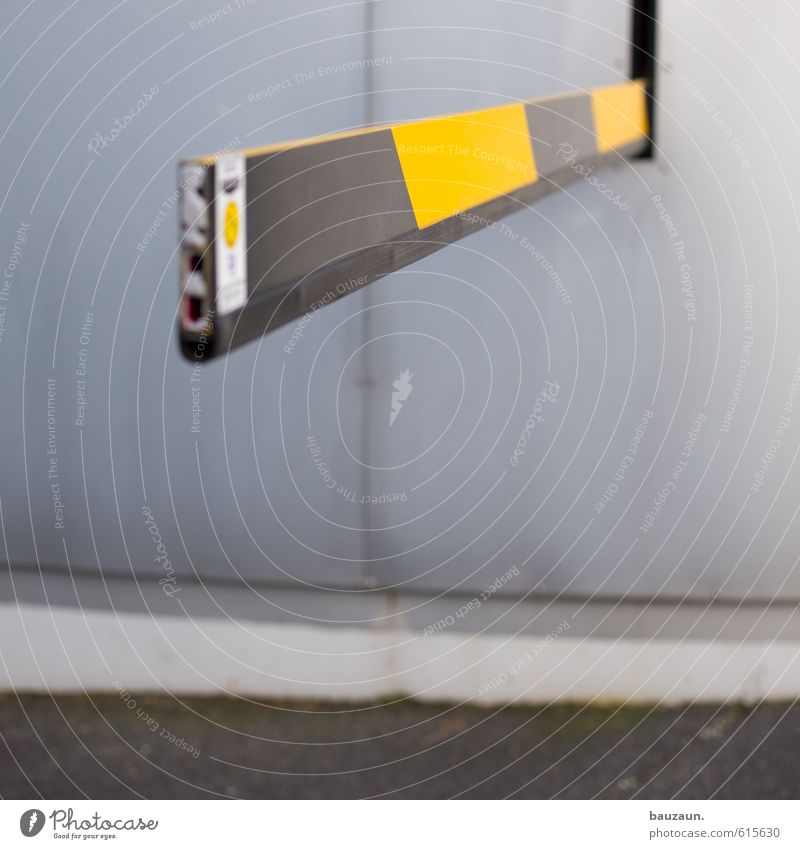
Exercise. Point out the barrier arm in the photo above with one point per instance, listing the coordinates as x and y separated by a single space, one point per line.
272 233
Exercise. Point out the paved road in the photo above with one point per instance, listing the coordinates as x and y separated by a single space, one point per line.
158 747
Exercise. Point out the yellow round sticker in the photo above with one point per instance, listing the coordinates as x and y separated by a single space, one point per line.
231 223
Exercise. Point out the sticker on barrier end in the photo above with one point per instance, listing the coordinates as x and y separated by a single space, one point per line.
230 221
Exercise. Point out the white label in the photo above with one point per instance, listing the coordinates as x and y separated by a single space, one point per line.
230 228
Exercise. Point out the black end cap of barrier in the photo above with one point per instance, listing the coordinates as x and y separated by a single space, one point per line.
643 60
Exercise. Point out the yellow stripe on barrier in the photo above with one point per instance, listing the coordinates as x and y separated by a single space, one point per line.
620 115
458 162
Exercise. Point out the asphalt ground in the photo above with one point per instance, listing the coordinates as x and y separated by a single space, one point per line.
157 747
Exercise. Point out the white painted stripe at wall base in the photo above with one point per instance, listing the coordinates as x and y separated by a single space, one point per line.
66 650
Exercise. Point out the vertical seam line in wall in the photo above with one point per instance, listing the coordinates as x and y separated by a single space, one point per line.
367 400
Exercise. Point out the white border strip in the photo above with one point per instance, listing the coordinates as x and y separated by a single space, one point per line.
347 824
67 650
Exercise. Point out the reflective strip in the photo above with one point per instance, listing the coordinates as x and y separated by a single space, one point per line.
620 115
455 163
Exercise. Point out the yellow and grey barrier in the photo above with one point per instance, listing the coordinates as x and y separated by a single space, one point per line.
272 233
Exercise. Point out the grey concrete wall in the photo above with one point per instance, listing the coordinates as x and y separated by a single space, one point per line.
101 239
578 290
681 288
